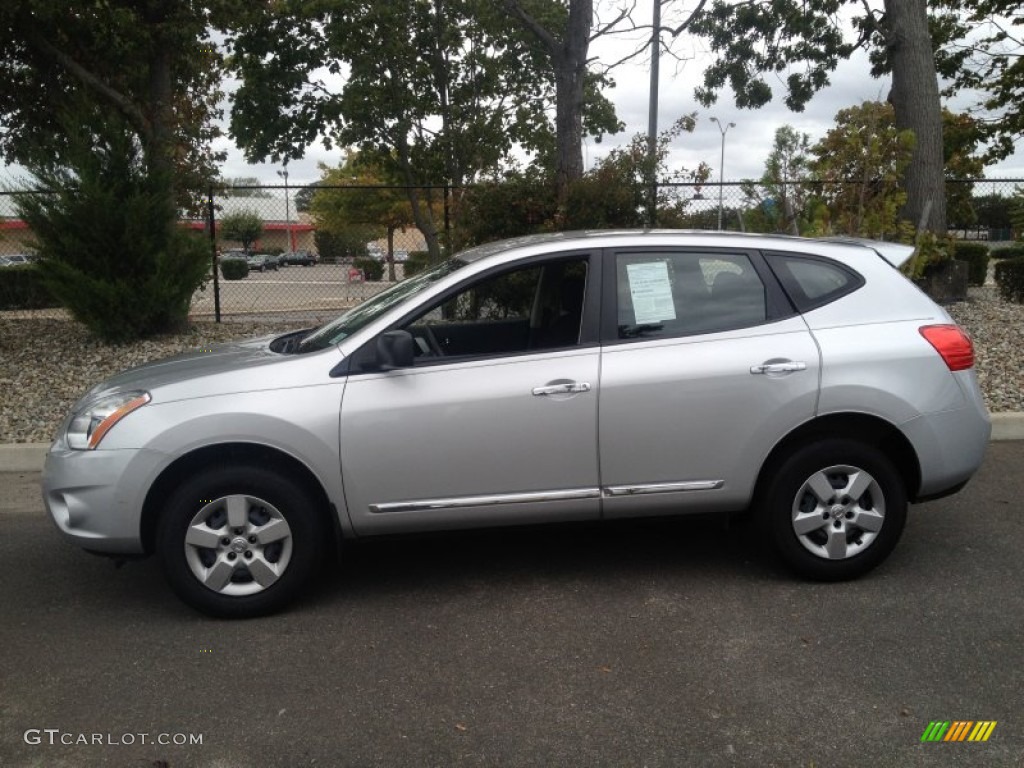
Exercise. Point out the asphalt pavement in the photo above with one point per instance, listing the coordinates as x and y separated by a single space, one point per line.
650 643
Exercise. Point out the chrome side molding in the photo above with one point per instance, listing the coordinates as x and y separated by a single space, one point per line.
426 505
484 501
637 490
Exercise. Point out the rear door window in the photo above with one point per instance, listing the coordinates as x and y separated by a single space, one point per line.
664 294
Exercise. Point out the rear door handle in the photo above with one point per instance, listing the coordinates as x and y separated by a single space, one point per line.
787 367
568 388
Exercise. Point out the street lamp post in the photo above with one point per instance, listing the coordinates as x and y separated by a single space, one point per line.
723 129
287 208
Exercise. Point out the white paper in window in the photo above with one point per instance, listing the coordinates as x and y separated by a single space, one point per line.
651 291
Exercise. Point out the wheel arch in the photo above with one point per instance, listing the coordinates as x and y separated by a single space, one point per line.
238 453
862 427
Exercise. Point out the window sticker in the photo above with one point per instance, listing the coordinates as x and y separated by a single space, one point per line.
651 291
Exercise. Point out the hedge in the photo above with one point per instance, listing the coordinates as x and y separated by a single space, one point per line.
417 262
22 288
976 255
234 269
1009 276
1007 252
371 268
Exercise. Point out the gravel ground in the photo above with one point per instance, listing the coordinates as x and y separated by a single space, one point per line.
46 363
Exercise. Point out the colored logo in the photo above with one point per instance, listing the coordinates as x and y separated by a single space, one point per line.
958 730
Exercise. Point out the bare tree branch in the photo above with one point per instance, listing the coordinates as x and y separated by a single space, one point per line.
676 31
626 12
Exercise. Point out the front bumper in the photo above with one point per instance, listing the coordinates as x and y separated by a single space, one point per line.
95 497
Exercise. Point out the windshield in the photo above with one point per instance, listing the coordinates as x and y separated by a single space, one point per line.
365 313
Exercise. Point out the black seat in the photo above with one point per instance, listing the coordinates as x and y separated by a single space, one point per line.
564 328
737 299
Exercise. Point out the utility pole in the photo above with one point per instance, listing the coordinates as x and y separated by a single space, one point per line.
721 166
652 116
287 208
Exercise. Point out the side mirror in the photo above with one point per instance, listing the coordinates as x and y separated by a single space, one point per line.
395 350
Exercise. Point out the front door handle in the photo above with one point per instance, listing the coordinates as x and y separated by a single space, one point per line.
569 388
779 367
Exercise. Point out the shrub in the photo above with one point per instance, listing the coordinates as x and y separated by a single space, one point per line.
372 269
1009 275
976 256
1007 252
22 288
111 250
234 269
417 262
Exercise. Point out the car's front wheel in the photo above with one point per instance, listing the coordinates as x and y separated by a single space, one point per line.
835 509
239 541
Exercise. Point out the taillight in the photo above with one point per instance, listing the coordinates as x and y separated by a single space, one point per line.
952 343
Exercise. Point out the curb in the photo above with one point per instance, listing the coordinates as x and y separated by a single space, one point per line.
28 457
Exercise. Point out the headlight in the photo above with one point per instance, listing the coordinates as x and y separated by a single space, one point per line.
89 425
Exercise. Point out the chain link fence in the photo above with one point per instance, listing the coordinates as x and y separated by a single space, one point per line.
299 263
311 252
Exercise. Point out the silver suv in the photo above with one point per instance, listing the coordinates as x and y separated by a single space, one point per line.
553 378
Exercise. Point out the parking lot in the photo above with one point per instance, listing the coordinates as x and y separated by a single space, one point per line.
324 288
652 643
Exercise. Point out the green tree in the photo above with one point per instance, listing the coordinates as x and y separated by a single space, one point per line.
962 136
980 47
565 31
1017 213
303 197
782 198
106 253
443 101
347 245
243 227
354 199
616 192
993 210
69 68
759 39
612 194
860 164
243 186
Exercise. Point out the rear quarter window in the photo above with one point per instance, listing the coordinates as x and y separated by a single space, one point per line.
813 281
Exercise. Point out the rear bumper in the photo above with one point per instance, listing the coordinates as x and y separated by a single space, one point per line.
950 447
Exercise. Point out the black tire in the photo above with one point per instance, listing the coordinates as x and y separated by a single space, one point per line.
848 534
279 537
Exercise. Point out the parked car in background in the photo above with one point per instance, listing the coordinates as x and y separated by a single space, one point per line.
18 259
261 262
300 258
553 378
4 262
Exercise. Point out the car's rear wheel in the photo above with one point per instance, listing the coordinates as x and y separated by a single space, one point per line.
835 509
239 541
